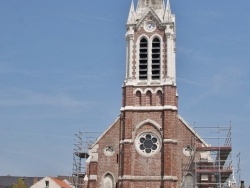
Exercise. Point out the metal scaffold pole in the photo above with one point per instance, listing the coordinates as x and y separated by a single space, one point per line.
83 142
238 170
213 163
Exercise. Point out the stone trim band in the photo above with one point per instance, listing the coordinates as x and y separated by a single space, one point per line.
149 178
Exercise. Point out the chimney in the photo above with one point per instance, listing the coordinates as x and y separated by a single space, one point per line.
242 185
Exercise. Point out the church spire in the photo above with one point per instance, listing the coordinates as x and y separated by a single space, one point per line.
156 5
168 6
131 16
167 14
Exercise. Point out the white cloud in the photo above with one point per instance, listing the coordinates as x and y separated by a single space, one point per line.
21 97
196 56
189 81
4 70
228 81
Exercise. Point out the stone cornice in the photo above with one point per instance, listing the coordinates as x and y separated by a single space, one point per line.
170 141
126 141
133 82
149 108
93 177
149 178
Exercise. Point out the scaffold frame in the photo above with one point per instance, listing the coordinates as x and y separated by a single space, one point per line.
217 169
83 141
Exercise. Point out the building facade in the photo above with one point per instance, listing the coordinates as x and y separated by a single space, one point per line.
149 145
49 182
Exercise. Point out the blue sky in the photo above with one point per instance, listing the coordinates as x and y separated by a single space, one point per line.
62 65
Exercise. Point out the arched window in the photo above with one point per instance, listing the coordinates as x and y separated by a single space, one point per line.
108 181
148 98
159 98
138 98
188 181
143 61
156 58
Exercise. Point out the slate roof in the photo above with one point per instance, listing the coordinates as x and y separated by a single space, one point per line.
8 181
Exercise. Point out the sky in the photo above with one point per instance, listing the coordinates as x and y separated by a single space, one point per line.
62 65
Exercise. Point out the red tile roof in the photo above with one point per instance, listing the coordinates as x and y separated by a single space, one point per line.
61 183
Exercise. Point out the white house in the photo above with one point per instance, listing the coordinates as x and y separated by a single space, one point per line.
49 182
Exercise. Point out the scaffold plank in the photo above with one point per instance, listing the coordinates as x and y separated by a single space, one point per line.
215 148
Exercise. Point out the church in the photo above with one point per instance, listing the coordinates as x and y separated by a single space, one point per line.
150 145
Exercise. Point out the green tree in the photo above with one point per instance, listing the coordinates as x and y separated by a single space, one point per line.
20 184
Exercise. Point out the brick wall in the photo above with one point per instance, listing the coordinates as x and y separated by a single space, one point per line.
170 161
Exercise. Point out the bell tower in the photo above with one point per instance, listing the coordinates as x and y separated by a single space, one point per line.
150 44
149 144
149 131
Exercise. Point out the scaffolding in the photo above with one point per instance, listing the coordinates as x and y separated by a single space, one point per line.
238 171
213 165
83 142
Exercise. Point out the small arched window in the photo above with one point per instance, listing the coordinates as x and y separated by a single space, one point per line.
143 61
156 58
148 98
159 98
108 181
138 98
188 181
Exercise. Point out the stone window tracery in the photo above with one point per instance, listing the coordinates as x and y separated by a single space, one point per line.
148 144
108 151
188 151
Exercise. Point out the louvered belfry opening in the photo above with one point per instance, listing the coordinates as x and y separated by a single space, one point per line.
156 47
143 66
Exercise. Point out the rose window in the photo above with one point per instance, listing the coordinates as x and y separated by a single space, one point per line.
188 151
147 144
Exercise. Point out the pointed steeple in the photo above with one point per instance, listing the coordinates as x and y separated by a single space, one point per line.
167 14
163 4
168 6
156 5
131 16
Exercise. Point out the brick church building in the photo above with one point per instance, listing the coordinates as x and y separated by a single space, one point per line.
149 145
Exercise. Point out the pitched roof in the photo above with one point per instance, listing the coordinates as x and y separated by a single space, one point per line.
61 183
8 181
192 130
